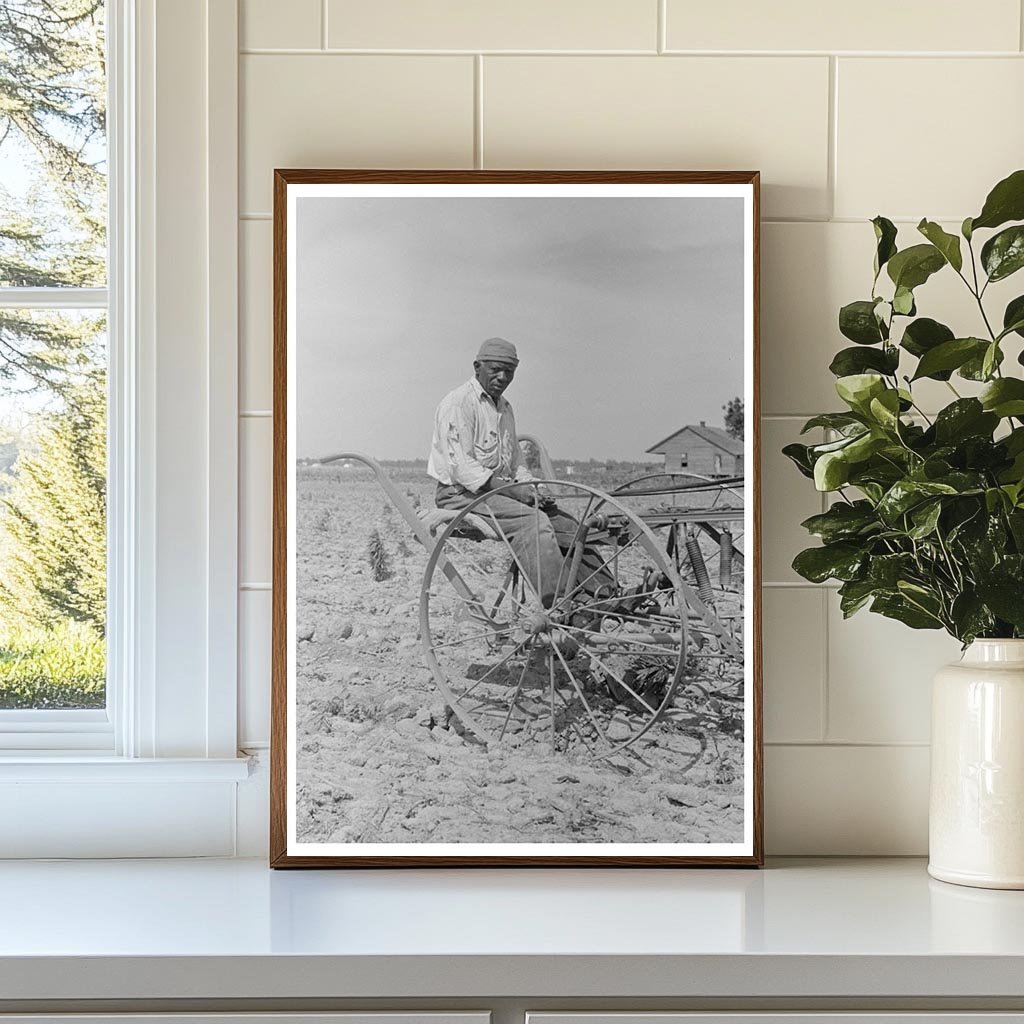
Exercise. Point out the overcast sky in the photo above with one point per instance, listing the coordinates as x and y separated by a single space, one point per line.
627 313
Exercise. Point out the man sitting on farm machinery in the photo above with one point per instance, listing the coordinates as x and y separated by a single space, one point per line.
475 450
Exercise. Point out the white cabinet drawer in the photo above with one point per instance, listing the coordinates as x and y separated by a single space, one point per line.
361 1017
787 1017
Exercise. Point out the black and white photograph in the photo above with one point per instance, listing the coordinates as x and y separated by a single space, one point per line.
515 488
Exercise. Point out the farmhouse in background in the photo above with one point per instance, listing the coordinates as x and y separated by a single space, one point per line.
700 449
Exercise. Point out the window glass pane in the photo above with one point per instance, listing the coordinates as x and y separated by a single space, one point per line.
53 151
52 509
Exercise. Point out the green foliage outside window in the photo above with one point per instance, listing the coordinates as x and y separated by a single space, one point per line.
52 365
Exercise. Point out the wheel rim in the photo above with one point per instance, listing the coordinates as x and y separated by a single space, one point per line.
594 670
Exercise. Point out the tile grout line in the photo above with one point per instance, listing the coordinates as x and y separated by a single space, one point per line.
258 51
478 111
851 744
825 651
833 134
662 42
1020 24
323 24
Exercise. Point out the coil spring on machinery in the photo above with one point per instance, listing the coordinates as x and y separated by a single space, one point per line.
725 560
700 569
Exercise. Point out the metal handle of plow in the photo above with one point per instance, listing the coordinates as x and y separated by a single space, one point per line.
725 559
700 570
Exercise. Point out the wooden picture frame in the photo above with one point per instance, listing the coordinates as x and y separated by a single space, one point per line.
607 719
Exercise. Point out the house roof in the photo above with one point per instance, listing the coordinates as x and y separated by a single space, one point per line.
714 435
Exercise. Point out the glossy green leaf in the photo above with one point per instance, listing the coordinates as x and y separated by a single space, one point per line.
925 518
885 238
901 609
971 616
964 418
1005 202
982 367
911 267
885 571
850 361
885 410
1005 597
854 594
1003 254
903 302
904 495
947 244
1004 397
840 561
991 360
924 334
799 455
948 356
965 229
1013 316
857 321
858 389
842 521
840 421
831 471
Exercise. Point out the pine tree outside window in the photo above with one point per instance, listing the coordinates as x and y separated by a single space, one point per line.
53 363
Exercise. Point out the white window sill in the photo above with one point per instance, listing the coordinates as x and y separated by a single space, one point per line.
76 766
196 932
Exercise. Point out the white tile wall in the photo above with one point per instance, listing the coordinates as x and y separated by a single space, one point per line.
874 25
509 25
351 111
793 627
261 26
969 110
838 138
701 113
256 302
255 510
253 664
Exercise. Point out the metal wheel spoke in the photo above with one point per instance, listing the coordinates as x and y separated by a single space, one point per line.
469 639
620 681
512 550
571 720
579 693
497 664
575 540
604 565
551 697
515 697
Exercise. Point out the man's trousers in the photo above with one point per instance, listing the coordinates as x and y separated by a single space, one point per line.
540 539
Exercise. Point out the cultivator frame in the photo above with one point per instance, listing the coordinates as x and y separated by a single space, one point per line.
541 661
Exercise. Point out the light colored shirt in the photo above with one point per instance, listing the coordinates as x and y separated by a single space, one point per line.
474 437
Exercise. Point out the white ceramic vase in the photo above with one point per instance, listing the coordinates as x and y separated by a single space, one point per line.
976 813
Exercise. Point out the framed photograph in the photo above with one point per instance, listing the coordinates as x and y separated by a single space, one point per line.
516 575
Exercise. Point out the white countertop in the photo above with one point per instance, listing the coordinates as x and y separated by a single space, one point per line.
234 929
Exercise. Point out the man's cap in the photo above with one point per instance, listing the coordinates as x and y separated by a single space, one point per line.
498 350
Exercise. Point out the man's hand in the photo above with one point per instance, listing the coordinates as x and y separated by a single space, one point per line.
525 493
544 499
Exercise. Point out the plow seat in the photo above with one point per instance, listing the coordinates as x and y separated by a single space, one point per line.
473 527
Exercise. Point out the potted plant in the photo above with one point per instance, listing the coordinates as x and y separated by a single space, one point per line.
927 521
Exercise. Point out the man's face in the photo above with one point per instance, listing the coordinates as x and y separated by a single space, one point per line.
494 377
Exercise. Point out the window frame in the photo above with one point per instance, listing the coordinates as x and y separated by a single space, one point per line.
172 527
91 729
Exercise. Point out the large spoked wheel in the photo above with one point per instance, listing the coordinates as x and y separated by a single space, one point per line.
572 637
